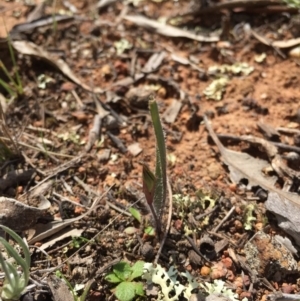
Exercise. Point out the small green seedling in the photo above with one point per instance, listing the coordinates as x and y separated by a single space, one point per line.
15 283
124 274
136 214
155 185
77 241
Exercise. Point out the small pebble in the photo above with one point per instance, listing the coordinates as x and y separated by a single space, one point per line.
238 282
227 262
218 271
287 288
247 295
205 271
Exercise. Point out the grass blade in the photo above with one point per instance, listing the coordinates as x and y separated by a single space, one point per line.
17 83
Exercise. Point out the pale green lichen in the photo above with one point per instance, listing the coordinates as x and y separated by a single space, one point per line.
171 288
218 286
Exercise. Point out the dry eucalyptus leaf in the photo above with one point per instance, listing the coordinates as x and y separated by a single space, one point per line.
104 3
47 20
287 214
242 165
287 243
154 62
29 48
15 177
268 131
135 149
42 189
18 216
277 44
59 237
37 12
168 30
172 111
283 204
287 43
46 230
59 289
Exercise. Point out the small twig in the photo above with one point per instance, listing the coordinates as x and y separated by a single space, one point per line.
226 217
107 266
281 146
94 132
283 297
89 190
28 161
288 131
39 150
168 222
222 236
63 198
196 249
199 216
50 270
75 95
56 171
40 130
235 4
45 151
118 143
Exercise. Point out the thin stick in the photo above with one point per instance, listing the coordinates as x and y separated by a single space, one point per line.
50 270
56 171
281 146
226 217
38 149
89 190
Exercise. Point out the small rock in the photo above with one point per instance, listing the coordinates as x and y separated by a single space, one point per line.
205 271
247 295
214 171
147 251
138 97
287 288
218 271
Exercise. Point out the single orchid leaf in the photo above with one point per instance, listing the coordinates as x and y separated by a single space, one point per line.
161 163
149 181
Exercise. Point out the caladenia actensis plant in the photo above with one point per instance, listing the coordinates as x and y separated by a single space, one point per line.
155 185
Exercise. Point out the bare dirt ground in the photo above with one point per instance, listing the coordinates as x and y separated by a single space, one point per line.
55 118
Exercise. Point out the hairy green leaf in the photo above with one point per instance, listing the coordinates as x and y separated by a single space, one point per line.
112 278
122 270
125 291
136 214
139 289
137 269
